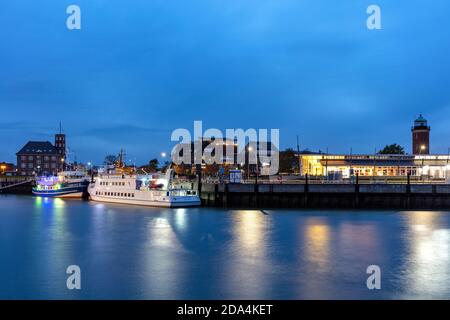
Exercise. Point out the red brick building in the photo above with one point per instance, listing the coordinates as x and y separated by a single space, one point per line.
41 157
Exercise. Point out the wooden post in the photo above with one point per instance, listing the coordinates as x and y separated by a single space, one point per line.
408 190
357 191
306 191
216 192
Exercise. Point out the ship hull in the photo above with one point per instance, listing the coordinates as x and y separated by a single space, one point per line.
149 203
67 192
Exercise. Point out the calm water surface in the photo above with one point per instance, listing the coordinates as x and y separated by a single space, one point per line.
129 252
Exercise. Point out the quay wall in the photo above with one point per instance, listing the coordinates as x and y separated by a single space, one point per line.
16 184
348 196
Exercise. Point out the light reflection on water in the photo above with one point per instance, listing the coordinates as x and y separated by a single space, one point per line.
428 264
203 253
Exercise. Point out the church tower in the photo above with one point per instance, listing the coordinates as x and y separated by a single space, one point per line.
421 136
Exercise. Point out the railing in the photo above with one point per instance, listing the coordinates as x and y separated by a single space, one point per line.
4 187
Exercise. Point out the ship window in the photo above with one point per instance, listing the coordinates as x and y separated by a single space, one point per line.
132 195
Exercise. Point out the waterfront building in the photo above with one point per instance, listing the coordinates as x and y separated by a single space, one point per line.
208 147
430 166
42 157
6 167
419 164
421 136
248 157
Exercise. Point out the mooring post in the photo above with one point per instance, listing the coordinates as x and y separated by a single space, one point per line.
408 190
255 192
216 191
357 191
226 192
306 191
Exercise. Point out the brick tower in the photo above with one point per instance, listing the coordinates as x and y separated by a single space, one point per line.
60 145
421 136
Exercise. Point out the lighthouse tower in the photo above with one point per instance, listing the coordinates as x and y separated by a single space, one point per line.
421 136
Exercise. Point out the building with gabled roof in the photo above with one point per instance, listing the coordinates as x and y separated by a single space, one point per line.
42 157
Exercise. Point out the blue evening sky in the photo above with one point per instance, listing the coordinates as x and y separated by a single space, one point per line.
139 69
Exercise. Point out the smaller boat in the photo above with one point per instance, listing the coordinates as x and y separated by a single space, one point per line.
68 184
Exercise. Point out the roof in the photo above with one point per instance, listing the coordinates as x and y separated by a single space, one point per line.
38 147
420 122
421 118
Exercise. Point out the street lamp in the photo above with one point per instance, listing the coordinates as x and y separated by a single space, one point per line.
422 149
248 162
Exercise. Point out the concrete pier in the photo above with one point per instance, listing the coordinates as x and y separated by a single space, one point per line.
349 196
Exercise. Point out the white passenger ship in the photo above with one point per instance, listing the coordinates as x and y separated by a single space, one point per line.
154 190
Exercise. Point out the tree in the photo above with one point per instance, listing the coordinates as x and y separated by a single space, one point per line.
153 165
288 161
392 149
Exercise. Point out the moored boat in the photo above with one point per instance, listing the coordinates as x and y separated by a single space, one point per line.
68 184
156 190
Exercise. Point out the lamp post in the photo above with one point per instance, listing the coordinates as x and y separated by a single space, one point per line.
422 148
248 162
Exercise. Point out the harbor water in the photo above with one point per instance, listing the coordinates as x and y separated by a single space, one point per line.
131 252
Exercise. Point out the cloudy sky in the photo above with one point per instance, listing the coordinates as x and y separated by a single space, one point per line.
139 69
